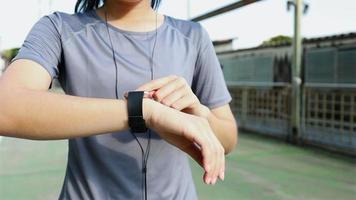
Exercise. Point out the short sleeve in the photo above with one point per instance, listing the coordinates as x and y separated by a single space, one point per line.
208 81
43 44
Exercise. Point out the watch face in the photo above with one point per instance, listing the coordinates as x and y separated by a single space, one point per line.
146 94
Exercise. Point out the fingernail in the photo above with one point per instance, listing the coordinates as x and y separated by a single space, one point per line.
208 181
223 175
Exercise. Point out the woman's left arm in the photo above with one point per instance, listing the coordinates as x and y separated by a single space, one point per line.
174 91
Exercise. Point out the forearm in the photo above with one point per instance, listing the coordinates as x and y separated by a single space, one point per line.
42 115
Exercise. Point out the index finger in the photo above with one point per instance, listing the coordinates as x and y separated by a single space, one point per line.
157 83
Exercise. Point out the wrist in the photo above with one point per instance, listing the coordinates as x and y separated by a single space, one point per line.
138 111
147 108
202 111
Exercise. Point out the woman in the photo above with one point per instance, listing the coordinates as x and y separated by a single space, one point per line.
98 53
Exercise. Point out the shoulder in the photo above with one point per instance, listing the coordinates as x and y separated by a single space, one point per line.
67 23
193 31
185 26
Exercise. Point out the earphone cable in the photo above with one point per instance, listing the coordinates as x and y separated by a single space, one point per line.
113 53
145 154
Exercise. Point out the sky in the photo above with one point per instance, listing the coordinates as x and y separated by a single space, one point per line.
251 25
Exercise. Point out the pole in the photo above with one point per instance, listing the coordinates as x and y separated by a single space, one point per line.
225 9
296 71
188 9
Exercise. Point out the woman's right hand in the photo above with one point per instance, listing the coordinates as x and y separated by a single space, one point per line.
164 119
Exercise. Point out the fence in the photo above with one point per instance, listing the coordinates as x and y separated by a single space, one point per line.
329 115
262 107
328 112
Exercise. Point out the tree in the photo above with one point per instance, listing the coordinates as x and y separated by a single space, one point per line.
9 54
278 40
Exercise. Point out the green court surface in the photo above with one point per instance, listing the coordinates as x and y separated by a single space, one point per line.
259 168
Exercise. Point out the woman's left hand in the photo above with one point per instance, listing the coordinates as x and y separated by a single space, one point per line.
174 91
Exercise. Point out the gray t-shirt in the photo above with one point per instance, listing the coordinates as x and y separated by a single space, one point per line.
75 48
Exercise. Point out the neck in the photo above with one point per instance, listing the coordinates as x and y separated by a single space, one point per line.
132 16
128 10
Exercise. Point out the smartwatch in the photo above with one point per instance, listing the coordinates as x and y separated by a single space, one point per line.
146 94
134 107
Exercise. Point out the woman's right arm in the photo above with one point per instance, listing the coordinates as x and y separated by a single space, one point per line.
28 110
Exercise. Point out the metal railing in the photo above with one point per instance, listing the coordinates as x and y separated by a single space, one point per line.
262 107
328 115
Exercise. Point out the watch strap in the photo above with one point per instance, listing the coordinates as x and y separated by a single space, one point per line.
134 106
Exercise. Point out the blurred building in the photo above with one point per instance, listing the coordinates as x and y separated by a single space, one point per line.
259 80
223 45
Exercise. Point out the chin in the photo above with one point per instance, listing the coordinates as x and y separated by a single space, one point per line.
128 1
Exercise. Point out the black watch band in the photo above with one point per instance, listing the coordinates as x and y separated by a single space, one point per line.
134 108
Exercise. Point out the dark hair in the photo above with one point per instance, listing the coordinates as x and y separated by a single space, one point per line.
86 5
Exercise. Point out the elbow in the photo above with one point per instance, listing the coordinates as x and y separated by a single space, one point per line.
6 122
12 120
233 139
6 126
10 124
